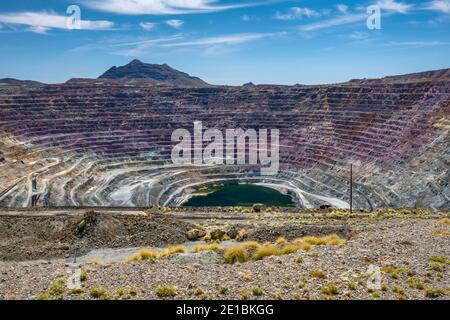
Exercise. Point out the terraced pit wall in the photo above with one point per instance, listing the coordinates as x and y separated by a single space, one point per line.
108 143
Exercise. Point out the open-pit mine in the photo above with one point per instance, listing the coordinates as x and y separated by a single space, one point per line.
92 205
107 142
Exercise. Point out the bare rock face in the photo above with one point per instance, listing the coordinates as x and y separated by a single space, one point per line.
48 237
195 234
160 73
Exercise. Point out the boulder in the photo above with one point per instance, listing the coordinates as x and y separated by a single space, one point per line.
195 234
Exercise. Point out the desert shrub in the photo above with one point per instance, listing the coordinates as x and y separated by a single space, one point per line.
436 266
281 240
415 283
83 275
172 250
223 289
95 262
434 293
439 260
128 292
43 296
257 291
334 240
143 254
199 292
305 246
278 296
57 287
266 251
246 277
394 273
315 241
245 295
235 254
330 240
398 290
99 292
317 274
76 291
251 245
330 289
290 248
444 222
207 247
376 294
166 291
441 232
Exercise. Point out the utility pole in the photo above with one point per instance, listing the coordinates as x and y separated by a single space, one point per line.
351 188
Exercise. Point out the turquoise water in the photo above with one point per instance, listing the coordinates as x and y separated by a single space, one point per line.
244 195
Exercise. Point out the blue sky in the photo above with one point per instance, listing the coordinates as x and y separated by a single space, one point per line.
225 42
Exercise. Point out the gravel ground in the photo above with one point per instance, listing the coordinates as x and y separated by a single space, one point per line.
401 247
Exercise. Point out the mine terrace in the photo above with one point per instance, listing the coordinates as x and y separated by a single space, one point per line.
107 141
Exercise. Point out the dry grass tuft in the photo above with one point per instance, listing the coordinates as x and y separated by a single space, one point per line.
439 260
445 222
166 291
172 250
441 232
330 289
235 254
143 254
251 245
266 251
290 248
257 291
281 240
99 292
95 262
317 274
330 240
207 247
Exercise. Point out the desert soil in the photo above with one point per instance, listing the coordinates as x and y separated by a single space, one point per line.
411 252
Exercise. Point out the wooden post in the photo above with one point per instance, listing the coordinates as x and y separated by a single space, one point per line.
351 188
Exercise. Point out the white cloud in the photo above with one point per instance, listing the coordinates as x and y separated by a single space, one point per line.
160 7
439 5
342 8
224 40
148 25
246 18
297 13
136 48
175 23
38 29
41 22
210 45
392 5
345 19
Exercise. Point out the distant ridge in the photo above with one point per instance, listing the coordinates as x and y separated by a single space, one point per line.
16 82
158 73
425 75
